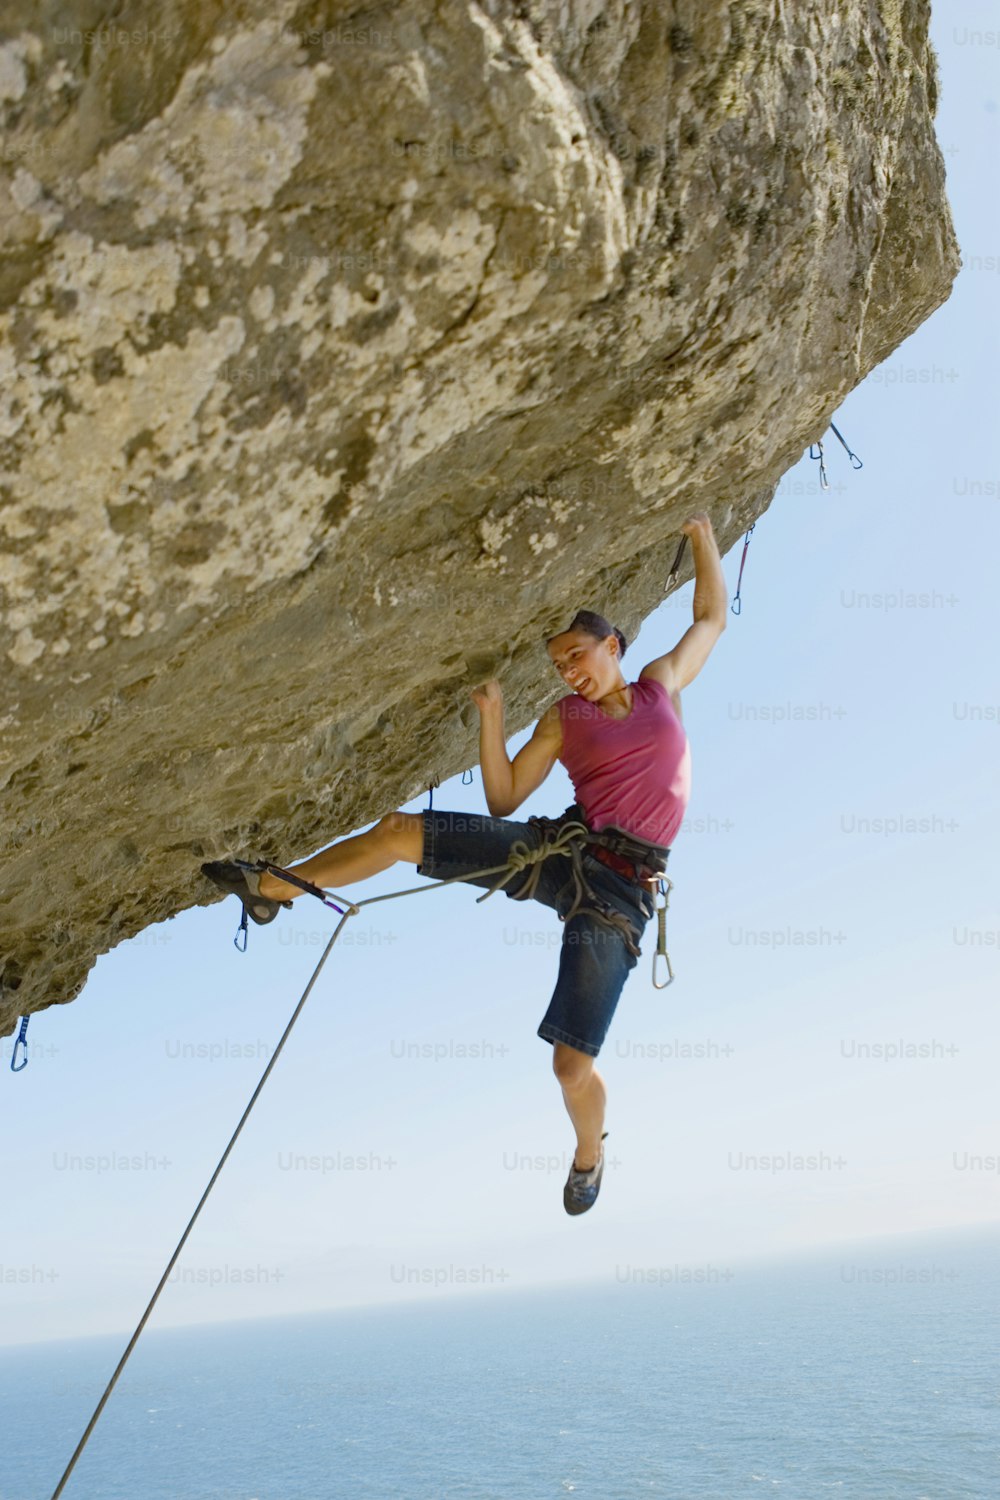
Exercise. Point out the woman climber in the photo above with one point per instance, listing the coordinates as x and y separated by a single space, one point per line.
626 753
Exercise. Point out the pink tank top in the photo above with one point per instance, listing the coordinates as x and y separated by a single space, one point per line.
634 772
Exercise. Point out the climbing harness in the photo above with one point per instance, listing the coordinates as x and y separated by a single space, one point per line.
564 836
736 605
22 1042
817 456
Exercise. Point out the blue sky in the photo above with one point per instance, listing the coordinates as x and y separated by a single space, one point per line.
834 928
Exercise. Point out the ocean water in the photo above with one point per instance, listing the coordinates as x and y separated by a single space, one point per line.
868 1372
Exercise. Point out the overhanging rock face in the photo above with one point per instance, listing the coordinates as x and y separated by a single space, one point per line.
345 356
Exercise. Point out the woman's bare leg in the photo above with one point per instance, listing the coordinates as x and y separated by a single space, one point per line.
397 836
585 1097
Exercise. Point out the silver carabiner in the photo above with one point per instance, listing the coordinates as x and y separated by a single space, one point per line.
824 483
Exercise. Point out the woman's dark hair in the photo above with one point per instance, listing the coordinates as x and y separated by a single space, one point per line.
597 626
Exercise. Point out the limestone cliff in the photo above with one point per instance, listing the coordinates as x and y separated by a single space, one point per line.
346 353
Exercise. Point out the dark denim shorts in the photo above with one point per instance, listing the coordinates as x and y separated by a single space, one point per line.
594 960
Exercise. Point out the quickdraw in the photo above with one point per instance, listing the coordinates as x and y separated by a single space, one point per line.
816 454
661 932
736 605
22 1042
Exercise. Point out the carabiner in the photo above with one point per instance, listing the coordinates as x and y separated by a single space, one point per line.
22 1041
666 957
824 483
470 780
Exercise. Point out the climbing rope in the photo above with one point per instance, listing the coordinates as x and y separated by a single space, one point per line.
562 837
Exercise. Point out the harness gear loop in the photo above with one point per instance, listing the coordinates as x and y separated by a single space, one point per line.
736 604
22 1041
661 932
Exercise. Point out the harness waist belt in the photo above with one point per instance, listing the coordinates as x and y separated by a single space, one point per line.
629 854
622 866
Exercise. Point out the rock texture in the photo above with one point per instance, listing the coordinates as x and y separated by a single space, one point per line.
346 353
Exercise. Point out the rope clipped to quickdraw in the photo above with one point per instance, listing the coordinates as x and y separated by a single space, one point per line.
817 456
22 1042
736 605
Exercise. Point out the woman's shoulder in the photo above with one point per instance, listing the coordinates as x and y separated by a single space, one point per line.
654 689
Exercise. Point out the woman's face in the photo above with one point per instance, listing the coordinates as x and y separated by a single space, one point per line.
588 666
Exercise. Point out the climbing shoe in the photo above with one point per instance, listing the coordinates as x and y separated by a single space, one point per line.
582 1188
240 878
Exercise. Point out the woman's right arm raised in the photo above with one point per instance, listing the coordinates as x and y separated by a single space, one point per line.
507 783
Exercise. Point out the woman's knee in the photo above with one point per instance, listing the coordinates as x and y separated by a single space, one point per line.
403 834
572 1067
